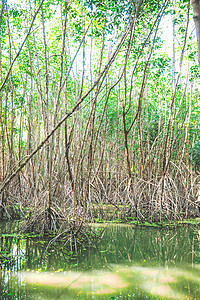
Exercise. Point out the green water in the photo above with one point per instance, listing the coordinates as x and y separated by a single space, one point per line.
127 263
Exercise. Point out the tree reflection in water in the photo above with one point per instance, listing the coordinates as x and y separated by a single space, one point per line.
128 262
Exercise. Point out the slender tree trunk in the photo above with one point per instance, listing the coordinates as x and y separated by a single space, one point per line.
196 16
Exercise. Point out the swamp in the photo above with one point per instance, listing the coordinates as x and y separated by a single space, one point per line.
99 149
127 263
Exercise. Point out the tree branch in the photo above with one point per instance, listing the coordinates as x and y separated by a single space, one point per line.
20 49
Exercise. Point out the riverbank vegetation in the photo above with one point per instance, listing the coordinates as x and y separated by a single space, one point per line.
99 108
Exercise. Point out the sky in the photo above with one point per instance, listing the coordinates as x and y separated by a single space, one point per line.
13 2
167 36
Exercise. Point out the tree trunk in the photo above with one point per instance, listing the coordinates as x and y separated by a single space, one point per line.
196 16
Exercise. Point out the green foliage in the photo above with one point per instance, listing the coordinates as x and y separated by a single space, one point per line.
194 69
196 155
115 11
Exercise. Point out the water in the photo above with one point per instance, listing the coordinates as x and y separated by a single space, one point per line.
128 263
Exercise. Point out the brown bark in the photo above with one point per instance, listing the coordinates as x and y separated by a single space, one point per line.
68 115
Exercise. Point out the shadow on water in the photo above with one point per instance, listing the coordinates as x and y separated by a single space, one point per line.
128 263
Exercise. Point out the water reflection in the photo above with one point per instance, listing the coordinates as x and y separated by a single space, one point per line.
128 263
167 283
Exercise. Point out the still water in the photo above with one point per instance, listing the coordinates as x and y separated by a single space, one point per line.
127 263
